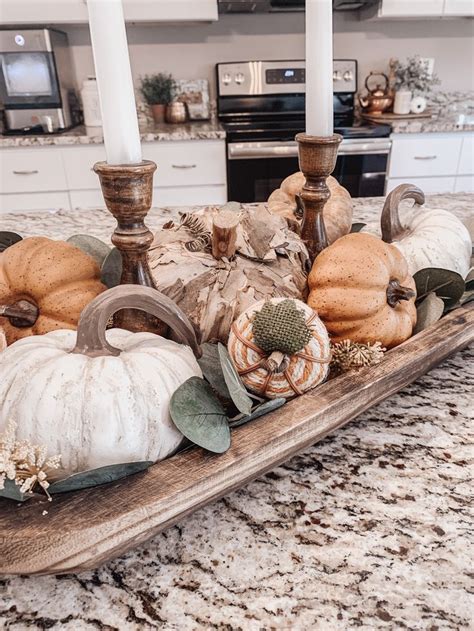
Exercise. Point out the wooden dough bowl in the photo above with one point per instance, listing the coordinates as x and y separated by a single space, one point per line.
84 529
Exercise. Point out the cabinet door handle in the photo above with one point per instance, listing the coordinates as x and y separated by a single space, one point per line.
34 172
183 166
425 157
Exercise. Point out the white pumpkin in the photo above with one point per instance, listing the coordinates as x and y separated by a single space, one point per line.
427 237
105 399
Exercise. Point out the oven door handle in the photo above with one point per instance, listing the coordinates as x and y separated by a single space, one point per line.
240 151
367 147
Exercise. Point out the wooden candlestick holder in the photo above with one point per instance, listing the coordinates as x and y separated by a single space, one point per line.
317 158
127 191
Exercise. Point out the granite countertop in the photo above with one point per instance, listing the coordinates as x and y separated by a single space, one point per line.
450 112
367 529
195 130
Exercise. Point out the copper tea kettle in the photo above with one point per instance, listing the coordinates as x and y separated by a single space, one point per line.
378 99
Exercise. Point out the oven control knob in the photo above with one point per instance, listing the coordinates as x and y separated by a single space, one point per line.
336 75
239 78
348 75
226 79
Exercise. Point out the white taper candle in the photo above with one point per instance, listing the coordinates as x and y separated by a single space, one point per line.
319 68
114 82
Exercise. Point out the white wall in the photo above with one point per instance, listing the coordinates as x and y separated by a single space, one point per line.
191 50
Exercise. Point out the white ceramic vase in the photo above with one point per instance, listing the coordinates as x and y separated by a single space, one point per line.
402 102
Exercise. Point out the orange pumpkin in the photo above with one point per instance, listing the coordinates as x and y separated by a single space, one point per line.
44 285
362 291
337 213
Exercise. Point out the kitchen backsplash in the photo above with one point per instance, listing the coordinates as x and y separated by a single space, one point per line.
191 51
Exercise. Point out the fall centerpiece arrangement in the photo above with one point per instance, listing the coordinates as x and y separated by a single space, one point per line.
250 329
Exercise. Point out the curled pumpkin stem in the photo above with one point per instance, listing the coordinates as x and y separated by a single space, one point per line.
396 293
21 314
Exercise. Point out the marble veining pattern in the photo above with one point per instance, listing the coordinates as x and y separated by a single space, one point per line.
368 529
197 130
450 112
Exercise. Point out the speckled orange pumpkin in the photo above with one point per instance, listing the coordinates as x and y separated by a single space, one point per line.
49 282
362 291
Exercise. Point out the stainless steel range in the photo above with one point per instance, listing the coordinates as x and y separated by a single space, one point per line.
262 107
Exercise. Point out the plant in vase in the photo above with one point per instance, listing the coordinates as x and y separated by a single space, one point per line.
413 81
158 90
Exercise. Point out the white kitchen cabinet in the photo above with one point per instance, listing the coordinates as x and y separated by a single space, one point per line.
406 9
427 184
466 161
424 155
189 172
458 8
464 184
32 170
410 8
75 11
436 162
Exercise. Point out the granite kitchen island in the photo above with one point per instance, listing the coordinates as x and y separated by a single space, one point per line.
367 529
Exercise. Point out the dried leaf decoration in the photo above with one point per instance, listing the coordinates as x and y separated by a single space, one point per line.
199 415
92 246
8 238
237 390
96 477
270 261
428 312
446 284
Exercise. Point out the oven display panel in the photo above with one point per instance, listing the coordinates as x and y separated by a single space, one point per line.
284 75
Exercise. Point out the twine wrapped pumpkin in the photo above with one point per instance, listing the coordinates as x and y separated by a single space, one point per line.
280 348
337 213
216 263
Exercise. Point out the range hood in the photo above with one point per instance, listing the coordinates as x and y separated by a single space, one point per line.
278 6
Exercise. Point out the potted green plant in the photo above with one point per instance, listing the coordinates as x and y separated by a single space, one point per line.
413 81
158 90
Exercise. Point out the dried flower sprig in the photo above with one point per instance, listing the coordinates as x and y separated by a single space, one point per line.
26 464
347 355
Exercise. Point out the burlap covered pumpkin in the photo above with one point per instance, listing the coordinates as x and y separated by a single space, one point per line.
215 273
337 212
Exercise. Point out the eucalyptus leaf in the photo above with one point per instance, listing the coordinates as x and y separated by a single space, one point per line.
357 227
428 312
111 271
199 415
95 248
237 391
96 477
7 239
470 280
468 296
258 410
12 491
212 369
446 284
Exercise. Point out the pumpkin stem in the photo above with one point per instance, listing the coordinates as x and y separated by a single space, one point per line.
392 228
277 362
21 314
396 293
91 337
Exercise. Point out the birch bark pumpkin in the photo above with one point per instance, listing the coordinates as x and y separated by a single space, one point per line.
265 260
337 213
100 398
44 285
